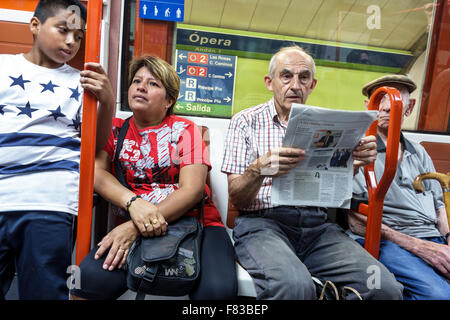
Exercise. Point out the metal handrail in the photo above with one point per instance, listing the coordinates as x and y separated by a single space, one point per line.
88 136
377 192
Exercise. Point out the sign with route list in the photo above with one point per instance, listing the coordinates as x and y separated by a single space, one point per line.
169 10
207 83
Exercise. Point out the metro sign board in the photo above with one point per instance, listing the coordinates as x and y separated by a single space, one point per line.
169 10
207 83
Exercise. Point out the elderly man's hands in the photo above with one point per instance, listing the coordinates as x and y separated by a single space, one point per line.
277 162
364 153
435 254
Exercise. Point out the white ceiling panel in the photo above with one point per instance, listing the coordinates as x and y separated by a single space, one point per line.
206 12
403 22
298 17
325 22
408 30
352 25
268 15
237 14
393 13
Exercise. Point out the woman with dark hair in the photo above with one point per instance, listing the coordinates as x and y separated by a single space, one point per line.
165 165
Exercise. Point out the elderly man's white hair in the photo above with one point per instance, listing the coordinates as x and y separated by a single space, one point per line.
273 60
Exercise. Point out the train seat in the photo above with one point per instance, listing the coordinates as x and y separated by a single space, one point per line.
219 189
439 153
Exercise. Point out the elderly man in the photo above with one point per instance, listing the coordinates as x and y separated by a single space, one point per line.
413 245
281 247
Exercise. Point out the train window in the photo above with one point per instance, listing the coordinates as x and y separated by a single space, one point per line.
222 49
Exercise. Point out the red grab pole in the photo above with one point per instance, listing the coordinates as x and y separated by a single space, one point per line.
88 136
374 210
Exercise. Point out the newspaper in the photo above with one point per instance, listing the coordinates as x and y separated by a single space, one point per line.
324 178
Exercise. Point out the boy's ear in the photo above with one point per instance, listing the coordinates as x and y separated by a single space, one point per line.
35 25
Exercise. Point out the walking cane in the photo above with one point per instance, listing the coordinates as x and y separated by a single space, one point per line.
88 135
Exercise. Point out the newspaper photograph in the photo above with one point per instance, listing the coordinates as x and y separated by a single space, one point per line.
324 177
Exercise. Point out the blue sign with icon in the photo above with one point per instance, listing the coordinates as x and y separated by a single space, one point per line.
169 10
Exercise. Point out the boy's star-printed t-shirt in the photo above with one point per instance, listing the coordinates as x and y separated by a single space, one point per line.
151 158
40 124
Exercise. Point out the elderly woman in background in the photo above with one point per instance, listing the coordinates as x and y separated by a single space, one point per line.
166 165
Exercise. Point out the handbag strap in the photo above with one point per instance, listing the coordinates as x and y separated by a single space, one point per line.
120 139
119 174
117 167
201 206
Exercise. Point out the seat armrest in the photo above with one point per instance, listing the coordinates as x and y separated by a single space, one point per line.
356 201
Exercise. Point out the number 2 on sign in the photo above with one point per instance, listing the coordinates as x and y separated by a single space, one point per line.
197 71
197 58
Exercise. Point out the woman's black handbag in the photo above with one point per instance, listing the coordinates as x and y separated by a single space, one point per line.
167 265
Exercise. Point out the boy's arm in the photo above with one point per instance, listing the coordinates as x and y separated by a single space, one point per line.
95 79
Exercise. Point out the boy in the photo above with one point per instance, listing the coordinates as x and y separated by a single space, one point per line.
40 125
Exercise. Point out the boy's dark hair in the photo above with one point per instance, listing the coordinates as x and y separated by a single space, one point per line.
48 8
